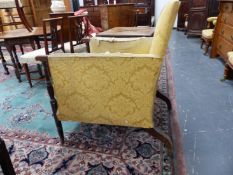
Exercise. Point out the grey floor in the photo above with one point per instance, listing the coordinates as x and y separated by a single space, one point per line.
205 106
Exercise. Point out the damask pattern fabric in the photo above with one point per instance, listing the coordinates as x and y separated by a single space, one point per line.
113 89
163 28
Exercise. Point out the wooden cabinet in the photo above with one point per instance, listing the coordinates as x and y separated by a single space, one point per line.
223 35
40 10
184 9
145 9
119 15
199 10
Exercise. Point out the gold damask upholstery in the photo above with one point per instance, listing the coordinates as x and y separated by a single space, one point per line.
110 88
115 89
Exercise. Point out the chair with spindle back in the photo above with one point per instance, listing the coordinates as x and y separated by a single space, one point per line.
53 40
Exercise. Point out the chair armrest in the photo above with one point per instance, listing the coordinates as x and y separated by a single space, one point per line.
211 19
123 45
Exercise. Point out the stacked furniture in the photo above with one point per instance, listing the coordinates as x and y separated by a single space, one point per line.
223 36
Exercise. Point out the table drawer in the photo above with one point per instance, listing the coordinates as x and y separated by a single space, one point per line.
227 19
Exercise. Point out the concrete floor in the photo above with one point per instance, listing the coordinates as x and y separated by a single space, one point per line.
205 106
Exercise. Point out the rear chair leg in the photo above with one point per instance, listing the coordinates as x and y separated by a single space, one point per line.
165 99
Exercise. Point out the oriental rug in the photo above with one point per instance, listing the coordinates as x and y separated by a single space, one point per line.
28 128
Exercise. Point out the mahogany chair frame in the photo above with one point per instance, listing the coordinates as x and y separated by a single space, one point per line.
56 43
152 131
78 29
5 161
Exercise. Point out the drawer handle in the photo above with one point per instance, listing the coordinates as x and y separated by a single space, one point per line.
222 32
232 37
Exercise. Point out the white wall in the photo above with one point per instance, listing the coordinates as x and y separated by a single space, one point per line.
159 4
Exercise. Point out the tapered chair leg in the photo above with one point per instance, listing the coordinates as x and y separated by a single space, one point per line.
165 99
4 62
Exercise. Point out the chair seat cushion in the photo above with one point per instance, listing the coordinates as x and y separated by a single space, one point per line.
230 57
208 33
29 57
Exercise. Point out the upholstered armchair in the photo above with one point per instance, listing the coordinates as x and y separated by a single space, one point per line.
111 88
207 34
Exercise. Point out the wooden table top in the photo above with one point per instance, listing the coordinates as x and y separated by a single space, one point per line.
21 33
141 31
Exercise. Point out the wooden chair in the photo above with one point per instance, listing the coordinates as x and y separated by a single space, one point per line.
207 34
10 4
53 40
114 88
5 161
78 33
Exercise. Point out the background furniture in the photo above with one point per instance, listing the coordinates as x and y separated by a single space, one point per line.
93 14
65 16
88 2
223 35
141 31
78 32
12 38
54 31
184 8
5 161
40 10
207 34
15 4
198 13
117 15
228 71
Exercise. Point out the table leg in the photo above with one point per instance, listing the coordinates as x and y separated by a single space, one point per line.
4 62
12 52
37 42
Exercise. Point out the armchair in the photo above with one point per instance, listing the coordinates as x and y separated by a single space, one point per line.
207 34
110 88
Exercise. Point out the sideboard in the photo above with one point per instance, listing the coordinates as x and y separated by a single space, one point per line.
223 35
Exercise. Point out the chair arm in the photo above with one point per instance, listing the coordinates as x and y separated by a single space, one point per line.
211 19
124 45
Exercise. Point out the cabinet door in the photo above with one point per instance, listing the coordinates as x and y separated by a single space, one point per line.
198 12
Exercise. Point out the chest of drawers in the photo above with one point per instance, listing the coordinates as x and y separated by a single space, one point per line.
223 35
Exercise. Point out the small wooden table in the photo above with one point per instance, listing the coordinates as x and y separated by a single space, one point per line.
19 37
142 31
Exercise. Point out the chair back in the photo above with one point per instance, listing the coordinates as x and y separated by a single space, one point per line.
53 38
78 29
164 28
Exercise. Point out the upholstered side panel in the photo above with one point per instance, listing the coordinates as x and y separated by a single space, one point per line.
164 28
122 45
113 89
